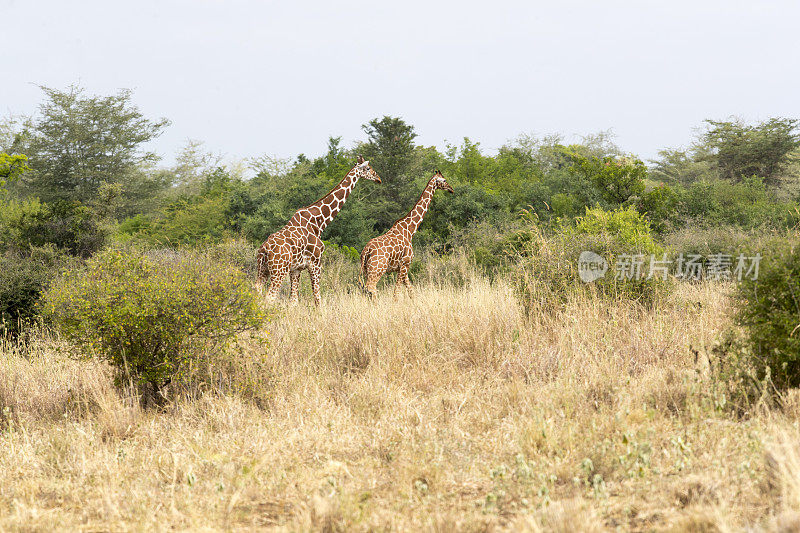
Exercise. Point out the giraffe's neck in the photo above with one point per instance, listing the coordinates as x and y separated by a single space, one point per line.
414 218
332 203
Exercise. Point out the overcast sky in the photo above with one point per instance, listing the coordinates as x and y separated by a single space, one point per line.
261 77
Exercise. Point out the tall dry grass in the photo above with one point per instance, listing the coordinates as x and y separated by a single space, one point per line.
448 411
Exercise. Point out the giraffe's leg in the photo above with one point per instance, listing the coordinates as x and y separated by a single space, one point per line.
402 279
398 282
275 285
375 270
371 287
407 282
315 271
294 278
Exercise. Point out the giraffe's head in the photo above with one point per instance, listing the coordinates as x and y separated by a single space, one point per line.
440 183
365 171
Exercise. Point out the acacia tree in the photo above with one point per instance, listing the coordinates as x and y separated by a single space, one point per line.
78 142
739 151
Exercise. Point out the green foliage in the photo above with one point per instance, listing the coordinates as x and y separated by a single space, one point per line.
617 178
214 213
346 251
23 278
151 315
390 148
547 265
768 308
659 205
78 142
678 167
739 151
12 167
93 176
627 226
66 225
747 204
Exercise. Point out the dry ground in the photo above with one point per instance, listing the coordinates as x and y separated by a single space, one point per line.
451 411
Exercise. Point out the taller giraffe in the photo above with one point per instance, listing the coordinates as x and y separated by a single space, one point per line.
392 251
298 245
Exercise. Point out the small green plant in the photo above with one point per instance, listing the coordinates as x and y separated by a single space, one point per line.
150 315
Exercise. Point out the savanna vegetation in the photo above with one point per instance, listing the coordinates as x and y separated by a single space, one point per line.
144 385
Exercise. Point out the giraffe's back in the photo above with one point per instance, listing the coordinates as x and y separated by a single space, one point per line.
291 247
387 252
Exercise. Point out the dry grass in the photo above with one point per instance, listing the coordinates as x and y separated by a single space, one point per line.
451 411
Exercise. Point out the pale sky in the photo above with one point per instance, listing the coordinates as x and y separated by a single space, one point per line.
259 77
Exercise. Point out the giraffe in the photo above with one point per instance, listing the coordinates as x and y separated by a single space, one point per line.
298 245
392 251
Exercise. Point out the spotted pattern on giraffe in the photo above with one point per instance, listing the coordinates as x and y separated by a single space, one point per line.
392 251
298 245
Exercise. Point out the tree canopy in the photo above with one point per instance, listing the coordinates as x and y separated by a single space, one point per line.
78 142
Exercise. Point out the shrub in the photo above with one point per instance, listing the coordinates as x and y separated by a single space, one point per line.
151 316
617 178
768 309
66 225
346 251
487 245
659 205
547 268
748 204
705 242
235 252
23 278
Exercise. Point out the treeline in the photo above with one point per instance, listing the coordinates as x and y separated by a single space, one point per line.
76 175
76 179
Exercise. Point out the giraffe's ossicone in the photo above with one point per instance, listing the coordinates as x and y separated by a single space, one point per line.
392 251
298 245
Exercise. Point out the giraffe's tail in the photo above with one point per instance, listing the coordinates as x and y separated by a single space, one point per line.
362 273
262 267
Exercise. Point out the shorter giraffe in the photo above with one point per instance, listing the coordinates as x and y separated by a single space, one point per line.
392 251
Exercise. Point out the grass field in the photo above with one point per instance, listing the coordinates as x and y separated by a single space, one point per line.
450 411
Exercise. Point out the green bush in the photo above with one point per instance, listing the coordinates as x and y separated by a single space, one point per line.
347 251
67 225
617 178
768 309
748 204
23 278
659 205
151 315
547 271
